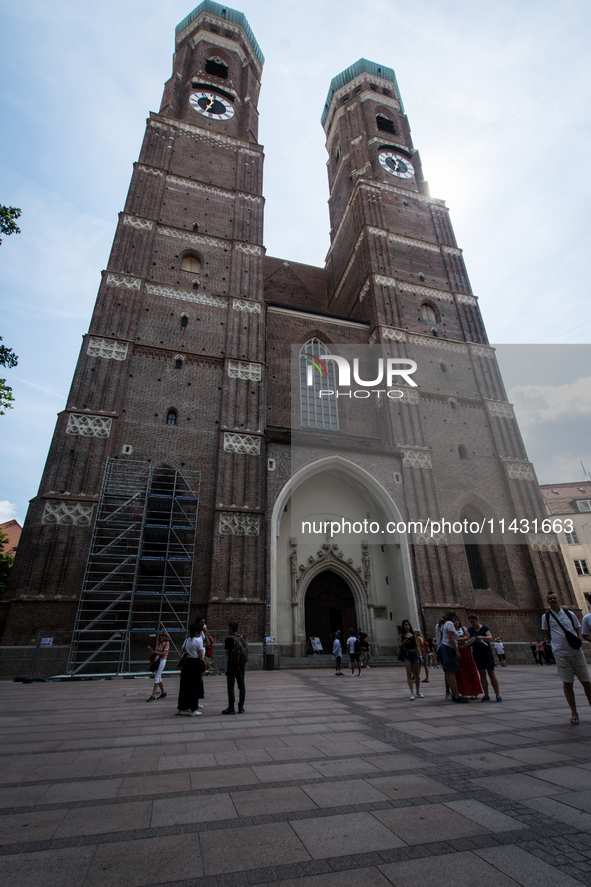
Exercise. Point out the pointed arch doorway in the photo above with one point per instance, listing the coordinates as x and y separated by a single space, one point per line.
329 607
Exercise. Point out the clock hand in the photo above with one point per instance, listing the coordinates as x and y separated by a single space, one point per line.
211 101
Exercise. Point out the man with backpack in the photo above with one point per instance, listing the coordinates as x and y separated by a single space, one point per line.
237 653
563 630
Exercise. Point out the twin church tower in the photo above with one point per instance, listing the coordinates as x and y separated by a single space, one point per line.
170 488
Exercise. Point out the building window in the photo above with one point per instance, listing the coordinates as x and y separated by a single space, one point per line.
178 364
582 568
428 312
190 263
385 125
216 67
317 411
171 417
584 504
462 452
572 538
184 321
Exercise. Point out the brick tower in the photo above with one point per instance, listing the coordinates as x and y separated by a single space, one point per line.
170 371
183 396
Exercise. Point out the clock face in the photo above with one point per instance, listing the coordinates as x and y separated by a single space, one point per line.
396 165
211 105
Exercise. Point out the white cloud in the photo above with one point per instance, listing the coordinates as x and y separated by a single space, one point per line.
542 403
8 510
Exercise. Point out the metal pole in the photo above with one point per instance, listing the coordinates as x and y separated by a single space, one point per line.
35 657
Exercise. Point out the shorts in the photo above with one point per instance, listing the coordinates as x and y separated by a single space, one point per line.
571 666
411 656
501 657
338 660
354 657
483 657
449 660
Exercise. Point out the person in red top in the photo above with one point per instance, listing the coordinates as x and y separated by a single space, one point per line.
468 680
162 648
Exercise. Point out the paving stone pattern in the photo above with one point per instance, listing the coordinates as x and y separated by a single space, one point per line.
322 782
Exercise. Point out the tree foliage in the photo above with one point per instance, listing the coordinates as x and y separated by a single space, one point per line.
8 226
7 359
8 217
6 562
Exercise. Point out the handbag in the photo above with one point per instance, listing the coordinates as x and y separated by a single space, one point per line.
183 660
575 641
154 662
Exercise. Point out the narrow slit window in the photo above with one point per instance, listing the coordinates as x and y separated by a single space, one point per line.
171 417
428 312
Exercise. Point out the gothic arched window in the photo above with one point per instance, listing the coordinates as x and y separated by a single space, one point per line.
217 67
428 312
190 263
385 124
171 417
318 411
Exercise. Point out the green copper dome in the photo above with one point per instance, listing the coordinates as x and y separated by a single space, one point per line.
360 67
231 15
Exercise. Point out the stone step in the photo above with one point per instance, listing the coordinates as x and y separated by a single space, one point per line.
326 661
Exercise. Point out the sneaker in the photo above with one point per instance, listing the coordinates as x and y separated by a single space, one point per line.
240 711
368 666
412 696
193 714
228 711
499 699
448 695
178 711
420 695
151 699
485 699
460 699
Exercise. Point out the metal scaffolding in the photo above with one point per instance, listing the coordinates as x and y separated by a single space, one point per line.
139 569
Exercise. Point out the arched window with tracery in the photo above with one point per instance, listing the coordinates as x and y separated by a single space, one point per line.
318 411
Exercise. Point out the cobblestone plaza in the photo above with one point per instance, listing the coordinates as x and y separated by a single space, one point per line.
319 783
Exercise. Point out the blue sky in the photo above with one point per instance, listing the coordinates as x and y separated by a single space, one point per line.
498 98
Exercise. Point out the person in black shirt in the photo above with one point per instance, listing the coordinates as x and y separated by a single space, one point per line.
234 672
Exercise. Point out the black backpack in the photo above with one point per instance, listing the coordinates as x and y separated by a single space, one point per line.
571 636
357 647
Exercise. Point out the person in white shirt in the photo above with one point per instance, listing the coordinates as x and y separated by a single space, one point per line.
450 655
500 651
354 654
563 630
586 627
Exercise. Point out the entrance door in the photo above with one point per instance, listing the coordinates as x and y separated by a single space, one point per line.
330 607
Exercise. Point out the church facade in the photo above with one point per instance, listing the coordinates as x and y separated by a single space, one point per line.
192 393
